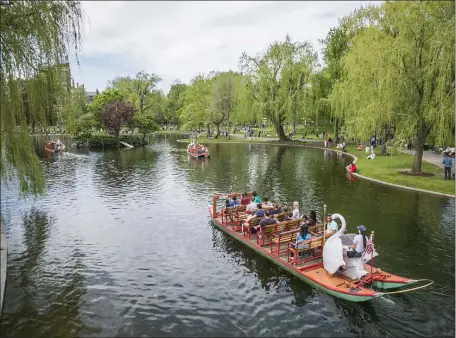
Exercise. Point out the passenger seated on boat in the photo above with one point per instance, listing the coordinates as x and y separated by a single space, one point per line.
332 226
312 218
288 217
267 202
276 209
359 242
234 202
258 213
256 197
296 214
303 236
245 200
267 220
252 206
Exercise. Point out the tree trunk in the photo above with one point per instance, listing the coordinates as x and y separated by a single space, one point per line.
294 127
280 132
144 138
218 130
228 129
419 146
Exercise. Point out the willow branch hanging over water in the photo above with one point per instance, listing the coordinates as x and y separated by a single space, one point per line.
36 37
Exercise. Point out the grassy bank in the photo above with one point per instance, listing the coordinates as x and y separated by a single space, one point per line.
389 169
223 139
107 141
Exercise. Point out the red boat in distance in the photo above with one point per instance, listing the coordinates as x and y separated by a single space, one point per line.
54 147
197 150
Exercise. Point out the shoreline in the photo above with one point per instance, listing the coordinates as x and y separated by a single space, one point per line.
354 157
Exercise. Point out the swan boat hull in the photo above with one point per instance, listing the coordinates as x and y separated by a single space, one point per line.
312 272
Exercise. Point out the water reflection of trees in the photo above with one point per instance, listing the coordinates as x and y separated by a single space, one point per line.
35 303
121 170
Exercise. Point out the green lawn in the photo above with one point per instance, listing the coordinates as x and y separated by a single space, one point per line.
223 139
389 168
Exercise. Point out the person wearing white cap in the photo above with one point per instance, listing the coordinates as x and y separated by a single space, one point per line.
360 240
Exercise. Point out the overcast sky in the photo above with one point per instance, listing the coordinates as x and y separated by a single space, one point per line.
177 40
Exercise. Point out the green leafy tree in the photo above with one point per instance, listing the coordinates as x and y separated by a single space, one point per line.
278 77
175 101
195 110
145 124
400 71
100 101
35 36
139 90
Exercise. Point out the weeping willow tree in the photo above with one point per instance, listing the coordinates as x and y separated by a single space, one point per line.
277 78
35 40
400 71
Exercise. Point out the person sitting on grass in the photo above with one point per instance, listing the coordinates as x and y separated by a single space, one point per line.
301 241
351 167
344 147
360 146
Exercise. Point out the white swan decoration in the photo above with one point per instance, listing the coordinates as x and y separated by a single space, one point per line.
332 251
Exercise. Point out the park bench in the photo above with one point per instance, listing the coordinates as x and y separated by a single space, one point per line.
284 233
312 244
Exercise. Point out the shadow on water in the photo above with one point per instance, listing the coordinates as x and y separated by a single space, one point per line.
37 292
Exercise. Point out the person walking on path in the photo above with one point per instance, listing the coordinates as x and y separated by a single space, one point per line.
447 164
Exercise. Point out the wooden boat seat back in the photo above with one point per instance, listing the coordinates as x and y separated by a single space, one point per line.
251 224
266 234
287 225
313 243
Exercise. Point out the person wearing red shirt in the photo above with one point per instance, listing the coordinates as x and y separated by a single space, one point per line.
352 168
245 200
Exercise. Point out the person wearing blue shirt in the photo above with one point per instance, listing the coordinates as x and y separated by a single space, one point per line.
303 236
447 164
234 202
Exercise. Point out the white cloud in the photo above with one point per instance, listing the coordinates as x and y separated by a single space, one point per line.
182 39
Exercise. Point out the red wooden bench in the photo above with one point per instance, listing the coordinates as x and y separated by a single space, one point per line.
312 244
284 233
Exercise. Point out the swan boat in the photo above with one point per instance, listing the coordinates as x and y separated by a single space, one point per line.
51 147
359 281
198 150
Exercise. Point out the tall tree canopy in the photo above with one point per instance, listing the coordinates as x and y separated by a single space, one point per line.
278 77
400 71
35 36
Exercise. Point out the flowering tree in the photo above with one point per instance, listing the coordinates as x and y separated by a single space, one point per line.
116 114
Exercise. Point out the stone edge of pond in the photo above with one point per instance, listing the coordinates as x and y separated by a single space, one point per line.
355 160
3 262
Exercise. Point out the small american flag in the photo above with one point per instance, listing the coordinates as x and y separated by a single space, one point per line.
369 246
